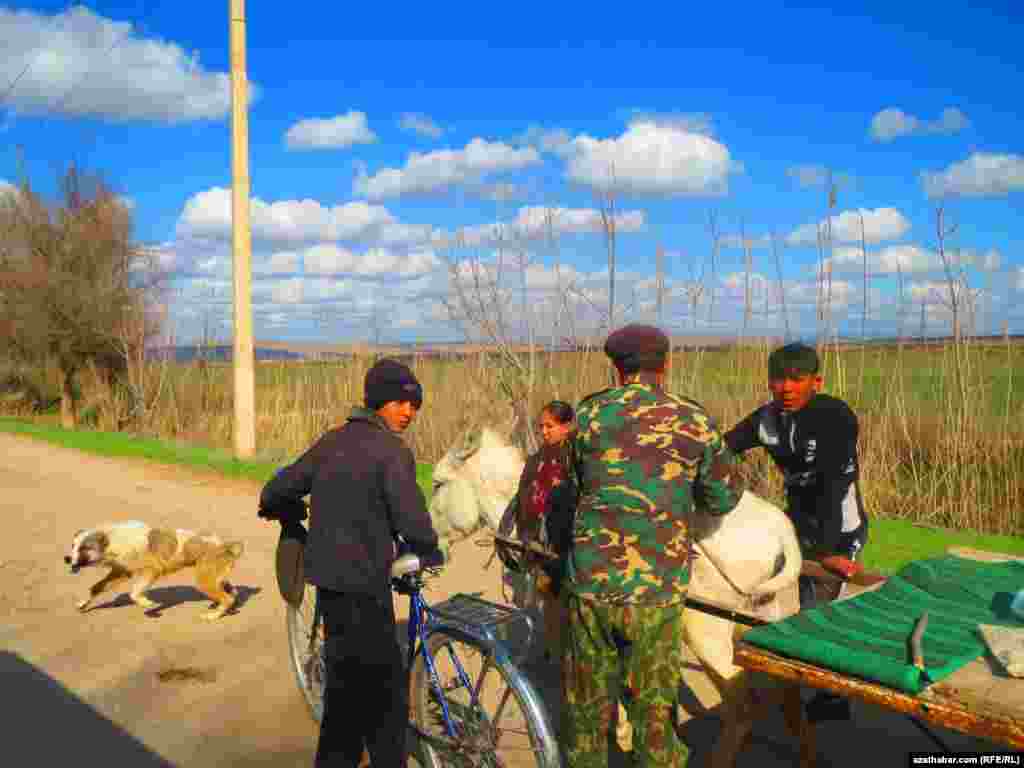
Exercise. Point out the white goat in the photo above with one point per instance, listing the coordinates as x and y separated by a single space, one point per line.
473 483
748 560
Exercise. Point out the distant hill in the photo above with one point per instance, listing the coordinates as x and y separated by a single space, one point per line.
298 350
188 354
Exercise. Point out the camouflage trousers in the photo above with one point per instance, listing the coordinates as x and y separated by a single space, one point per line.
628 654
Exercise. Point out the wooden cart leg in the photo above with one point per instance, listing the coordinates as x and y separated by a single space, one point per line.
803 731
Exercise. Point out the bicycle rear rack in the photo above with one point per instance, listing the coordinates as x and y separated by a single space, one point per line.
501 627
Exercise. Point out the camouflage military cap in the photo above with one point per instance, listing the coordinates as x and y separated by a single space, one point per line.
637 345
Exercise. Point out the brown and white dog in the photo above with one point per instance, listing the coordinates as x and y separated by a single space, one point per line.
135 551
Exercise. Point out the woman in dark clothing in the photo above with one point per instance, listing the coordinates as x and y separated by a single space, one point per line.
542 512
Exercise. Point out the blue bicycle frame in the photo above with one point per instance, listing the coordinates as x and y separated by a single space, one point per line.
420 621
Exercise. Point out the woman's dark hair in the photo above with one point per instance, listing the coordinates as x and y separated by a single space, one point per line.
562 411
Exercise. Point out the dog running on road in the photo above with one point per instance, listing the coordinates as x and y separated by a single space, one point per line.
135 551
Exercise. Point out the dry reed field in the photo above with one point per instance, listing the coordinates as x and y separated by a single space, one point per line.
942 438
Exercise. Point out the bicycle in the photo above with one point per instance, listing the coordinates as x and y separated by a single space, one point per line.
455 719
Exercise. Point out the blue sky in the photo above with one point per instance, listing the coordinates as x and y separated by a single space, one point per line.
378 133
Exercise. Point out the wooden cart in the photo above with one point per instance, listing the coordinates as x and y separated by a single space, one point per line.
979 699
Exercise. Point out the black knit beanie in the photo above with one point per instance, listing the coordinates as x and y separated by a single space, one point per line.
389 380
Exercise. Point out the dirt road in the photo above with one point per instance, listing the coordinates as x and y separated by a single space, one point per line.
86 689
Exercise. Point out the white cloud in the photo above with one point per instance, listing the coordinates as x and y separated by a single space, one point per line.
279 263
879 224
329 259
807 293
502 191
929 290
79 63
888 260
909 258
652 158
163 257
330 132
396 233
686 122
299 290
737 281
939 298
195 256
554 140
891 123
424 125
208 214
979 175
1018 283
540 221
287 291
444 168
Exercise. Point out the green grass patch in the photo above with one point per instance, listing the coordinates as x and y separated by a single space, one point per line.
892 543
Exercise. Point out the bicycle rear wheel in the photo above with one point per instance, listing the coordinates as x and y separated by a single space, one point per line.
508 727
308 660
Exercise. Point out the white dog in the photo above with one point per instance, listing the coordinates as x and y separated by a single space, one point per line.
135 551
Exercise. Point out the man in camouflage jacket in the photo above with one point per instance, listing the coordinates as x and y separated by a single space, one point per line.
645 459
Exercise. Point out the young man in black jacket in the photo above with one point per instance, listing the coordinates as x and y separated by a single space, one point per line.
361 478
812 438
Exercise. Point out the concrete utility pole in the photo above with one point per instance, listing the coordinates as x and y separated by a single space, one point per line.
245 395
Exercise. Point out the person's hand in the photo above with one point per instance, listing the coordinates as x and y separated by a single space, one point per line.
842 566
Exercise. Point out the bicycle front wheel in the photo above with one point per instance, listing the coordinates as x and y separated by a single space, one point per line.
507 726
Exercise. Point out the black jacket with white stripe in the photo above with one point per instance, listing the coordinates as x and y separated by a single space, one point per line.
816 449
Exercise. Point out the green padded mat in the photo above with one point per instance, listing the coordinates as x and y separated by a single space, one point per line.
867 636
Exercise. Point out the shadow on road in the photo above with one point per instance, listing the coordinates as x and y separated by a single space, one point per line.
49 725
169 597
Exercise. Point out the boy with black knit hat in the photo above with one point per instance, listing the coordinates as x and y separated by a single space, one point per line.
362 481
812 438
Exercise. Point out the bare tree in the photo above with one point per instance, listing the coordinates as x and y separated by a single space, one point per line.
864 254
659 285
478 304
143 383
782 284
609 222
716 245
377 324
952 269
69 278
902 308
210 322
748 267
693 287
826 255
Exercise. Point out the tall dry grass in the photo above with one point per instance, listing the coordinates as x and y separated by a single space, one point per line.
942 439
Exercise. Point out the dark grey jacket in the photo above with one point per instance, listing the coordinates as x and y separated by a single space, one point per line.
361 478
